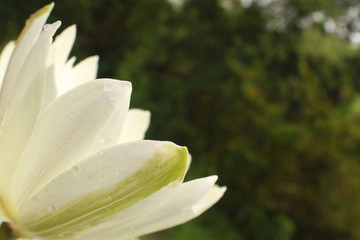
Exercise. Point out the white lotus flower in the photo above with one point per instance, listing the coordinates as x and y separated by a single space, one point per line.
73 163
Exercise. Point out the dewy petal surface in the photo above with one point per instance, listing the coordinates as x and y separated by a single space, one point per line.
174 212
73 127
24 45
191 200
123 183
25 106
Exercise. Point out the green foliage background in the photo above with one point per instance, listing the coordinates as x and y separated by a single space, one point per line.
276 114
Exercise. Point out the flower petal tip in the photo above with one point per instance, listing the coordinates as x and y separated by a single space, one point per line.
51 28
41 12
213 178
44 10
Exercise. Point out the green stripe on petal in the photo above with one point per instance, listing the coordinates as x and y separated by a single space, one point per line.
165 169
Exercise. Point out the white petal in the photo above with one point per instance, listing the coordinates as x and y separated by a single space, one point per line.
70 77
86 70
136 123
174 216
60 50
123 183
72 128
192 199
212 197
24 45
34 68
4 59
50 90
189 163
24 106
64 77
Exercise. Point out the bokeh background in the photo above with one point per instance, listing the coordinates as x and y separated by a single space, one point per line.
264 93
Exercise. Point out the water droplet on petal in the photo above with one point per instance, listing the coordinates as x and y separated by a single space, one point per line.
47 27
71 114
51 28
102 153
107 87
53 208
119 172
76 169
